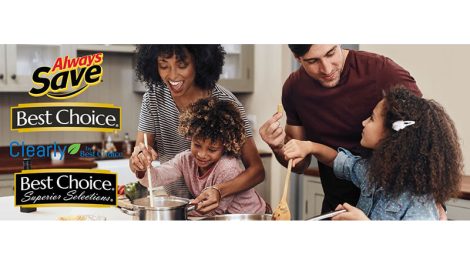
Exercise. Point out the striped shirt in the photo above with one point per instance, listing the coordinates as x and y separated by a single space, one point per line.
160 116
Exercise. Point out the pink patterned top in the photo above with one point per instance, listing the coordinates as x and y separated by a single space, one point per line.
227 168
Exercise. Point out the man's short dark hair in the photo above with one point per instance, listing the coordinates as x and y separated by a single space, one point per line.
299 50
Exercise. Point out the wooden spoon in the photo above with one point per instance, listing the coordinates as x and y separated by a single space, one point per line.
150 188
282 211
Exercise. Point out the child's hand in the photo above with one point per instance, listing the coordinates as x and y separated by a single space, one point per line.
353 213
207 201
296 150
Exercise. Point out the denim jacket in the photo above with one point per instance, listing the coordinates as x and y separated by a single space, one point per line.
374 202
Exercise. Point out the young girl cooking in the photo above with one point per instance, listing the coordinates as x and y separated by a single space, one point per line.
415 164
217 135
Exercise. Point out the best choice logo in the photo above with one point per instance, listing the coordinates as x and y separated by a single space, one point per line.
68 69
65 117
59 187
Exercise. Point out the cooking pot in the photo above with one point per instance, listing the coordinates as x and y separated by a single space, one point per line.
164 208
239 217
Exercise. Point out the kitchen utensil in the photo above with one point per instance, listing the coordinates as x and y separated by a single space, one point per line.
326 215
149 176
282 211
239 217
164 208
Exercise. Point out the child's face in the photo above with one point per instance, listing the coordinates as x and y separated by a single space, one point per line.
206 152
374 127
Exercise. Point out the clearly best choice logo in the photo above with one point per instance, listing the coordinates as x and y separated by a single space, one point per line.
74 69
18 149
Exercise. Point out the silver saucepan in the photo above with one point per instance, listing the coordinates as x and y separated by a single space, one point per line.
164 208
239 217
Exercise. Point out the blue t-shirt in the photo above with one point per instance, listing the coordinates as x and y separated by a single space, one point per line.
374 202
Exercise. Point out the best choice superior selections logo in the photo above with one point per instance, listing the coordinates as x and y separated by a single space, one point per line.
55 187
65 117
86 68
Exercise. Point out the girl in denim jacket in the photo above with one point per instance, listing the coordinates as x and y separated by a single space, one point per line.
416 161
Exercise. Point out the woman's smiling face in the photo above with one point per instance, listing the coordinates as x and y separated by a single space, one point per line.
177 73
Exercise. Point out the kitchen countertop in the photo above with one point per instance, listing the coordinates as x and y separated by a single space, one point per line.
10 212
464 188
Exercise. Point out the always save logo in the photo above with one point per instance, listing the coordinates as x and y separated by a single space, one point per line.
82 72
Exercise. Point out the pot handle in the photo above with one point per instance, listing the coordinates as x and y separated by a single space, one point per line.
127 211
191 207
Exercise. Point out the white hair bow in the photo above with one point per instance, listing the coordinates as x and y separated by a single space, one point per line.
399 125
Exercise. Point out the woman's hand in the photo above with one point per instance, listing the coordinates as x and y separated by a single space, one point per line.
296 150
353 213
142 157
208 200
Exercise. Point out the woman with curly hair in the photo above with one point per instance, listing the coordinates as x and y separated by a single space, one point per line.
177 76
217 136
415 164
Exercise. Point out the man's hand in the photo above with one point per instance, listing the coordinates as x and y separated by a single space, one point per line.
273 133
353 213
296 150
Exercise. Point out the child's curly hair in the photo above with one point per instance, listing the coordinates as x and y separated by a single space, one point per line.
424 158
215 119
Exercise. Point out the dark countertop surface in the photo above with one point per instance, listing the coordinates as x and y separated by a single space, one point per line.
10 166
464 188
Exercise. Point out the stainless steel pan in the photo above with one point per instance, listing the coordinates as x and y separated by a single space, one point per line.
239 217
164 208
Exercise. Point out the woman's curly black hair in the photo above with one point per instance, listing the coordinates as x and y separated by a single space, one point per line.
424 158
208 61
214 119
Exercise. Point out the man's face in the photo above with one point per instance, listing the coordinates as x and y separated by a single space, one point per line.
324 63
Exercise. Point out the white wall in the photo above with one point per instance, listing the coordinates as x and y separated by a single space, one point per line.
272 67
441 72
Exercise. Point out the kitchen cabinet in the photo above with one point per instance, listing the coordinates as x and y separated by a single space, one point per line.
311 193
238 71
458 209
18 62
121 48
6 185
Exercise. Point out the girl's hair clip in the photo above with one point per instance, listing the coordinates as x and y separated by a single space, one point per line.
399 125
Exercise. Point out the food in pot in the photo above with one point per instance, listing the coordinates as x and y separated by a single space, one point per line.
135 190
